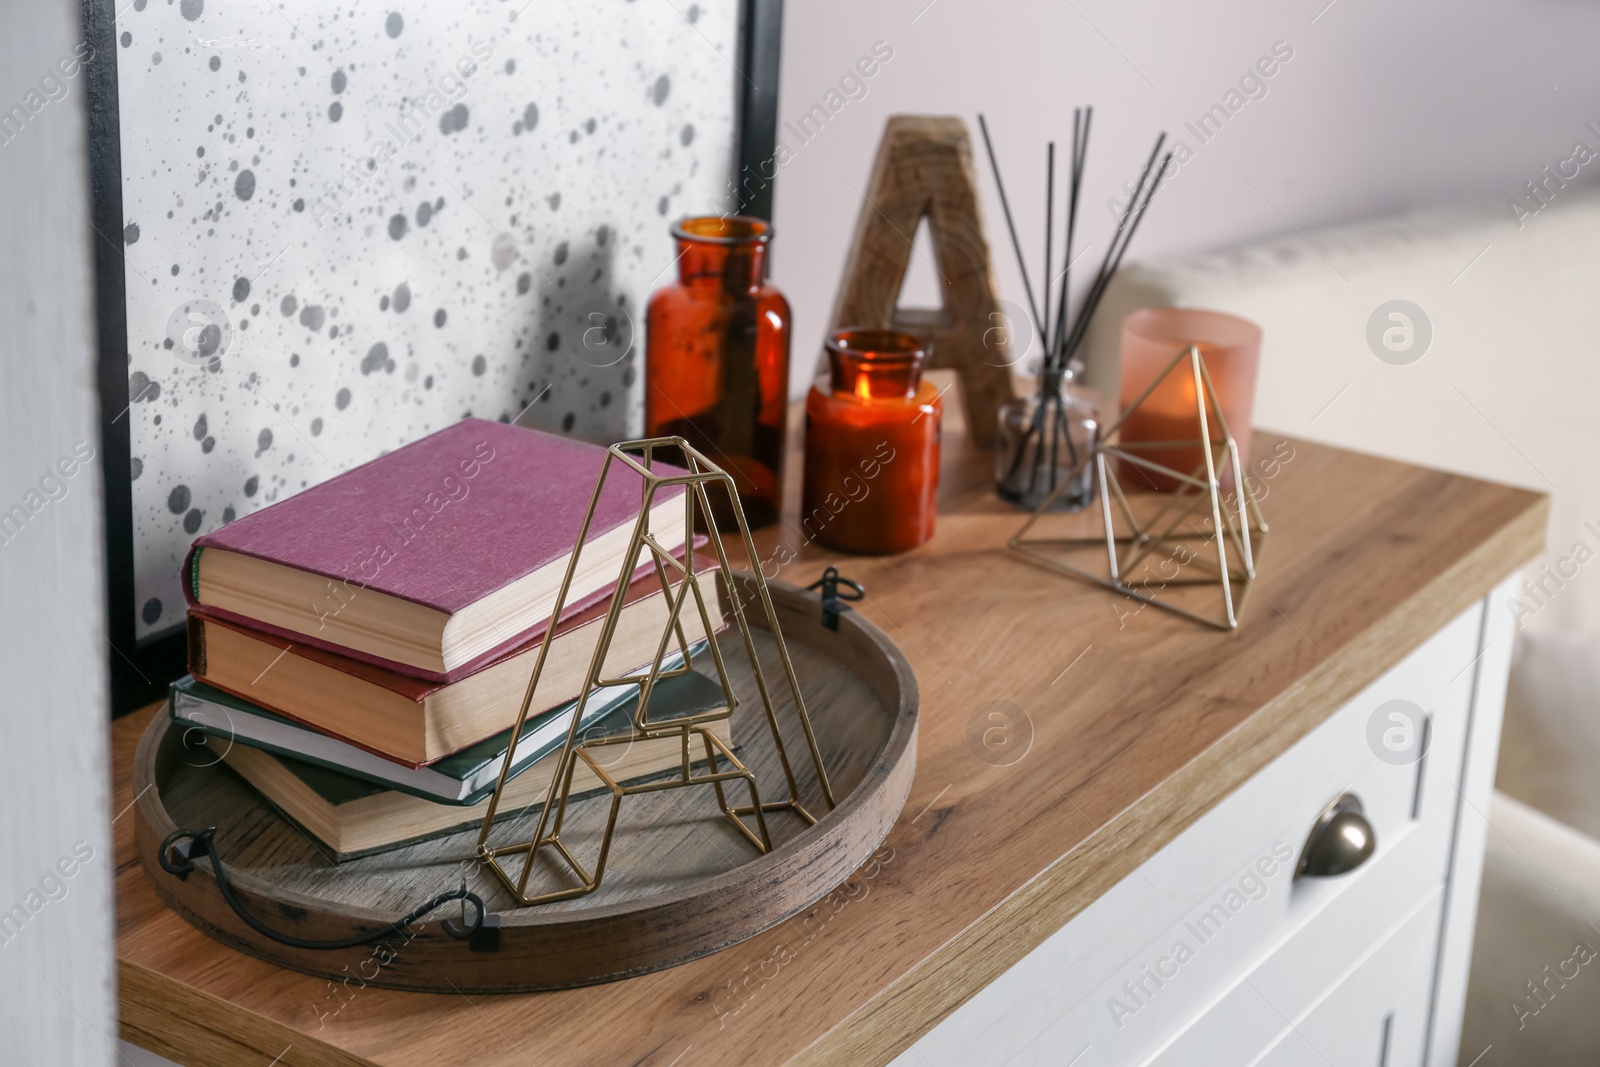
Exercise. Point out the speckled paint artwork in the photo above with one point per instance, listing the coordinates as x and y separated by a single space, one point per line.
347 226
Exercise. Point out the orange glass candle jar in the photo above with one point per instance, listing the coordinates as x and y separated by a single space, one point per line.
1231 349
717 360
872 445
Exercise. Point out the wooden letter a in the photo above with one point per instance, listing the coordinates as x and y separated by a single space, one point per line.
924 169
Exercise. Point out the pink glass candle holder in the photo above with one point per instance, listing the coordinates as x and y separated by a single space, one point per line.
1231 349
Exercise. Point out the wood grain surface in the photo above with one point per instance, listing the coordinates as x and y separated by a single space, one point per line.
681 881
1130 726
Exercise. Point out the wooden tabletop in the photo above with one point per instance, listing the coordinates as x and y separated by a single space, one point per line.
1139 724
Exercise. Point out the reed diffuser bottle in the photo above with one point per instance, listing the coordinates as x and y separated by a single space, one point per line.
717 360
1046 440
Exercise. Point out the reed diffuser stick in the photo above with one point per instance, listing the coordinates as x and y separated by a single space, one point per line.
1049 227
1005 206
1060 425
1080 146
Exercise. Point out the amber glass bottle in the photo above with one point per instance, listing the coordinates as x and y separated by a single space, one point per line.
872 445
717 359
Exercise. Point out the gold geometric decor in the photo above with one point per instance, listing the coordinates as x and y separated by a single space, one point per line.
681 582
1174 530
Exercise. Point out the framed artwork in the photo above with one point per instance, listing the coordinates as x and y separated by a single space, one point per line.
328 231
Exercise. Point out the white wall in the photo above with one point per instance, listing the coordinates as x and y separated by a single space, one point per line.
1383 109
57 1001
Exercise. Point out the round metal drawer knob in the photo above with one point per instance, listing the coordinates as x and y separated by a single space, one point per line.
1340 840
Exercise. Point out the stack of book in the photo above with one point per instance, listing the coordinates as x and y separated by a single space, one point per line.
359 651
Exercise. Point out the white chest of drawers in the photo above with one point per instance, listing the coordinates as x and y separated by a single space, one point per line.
1016 898
1213 954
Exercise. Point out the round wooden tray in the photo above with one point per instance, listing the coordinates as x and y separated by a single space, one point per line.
680 882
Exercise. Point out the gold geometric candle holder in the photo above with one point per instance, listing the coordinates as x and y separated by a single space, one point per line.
1166 525
680 582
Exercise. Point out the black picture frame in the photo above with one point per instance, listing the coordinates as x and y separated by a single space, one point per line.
140 669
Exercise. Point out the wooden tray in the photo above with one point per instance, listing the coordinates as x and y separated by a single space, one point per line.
680 883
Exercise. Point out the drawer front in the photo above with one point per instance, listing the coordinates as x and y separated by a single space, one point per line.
1263 1017
1137 969
1376 1016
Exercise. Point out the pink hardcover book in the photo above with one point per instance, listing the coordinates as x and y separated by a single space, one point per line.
436 558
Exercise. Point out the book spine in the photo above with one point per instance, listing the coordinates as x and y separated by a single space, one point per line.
189 576
196 631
